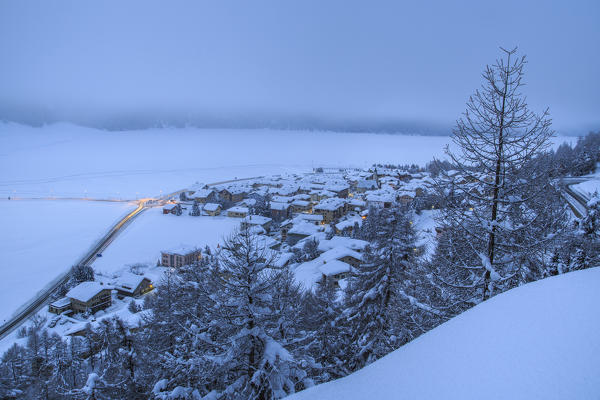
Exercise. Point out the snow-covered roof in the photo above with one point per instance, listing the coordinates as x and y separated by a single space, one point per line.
367 184
304 228
349 223
339 252
211 207
196 187
248 202
342 241
281 199
309 217
357 202
301 196
62 302
256 220
202 193
129 281
337 187
182 250
238 209
380 197
301 203
330 204
334 267
169 206
86 290
279 206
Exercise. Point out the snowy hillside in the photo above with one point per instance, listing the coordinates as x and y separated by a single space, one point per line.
539 341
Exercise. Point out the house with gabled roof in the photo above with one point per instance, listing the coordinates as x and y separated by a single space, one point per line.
132 285
238 212
330 209
212 209
89 297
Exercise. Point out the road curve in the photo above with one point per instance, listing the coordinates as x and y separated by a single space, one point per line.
577 202
41 300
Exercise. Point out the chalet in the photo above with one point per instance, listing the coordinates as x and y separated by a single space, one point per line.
280 211
348 225
287 190
315 219
256 220
204 196
365 185
343 241
300 231
335 270
178 257
301 206
60 306
89 297
133 285
320 194
172 208
342 254
380 200
330 209
281 199
237 212
212 209
233 194
340 190
356 205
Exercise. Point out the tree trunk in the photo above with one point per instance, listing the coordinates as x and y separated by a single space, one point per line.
495 200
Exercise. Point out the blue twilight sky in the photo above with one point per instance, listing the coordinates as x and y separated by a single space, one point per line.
329 64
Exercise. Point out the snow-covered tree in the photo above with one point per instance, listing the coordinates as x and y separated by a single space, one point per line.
256 365
380 304
195 211
497 220
328 342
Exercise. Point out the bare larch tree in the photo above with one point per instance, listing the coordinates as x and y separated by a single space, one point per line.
497 211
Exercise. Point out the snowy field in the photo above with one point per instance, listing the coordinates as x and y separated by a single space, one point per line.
70 161
40 239
539 341
142 241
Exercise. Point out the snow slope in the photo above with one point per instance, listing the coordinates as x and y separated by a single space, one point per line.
40 239
539 341
66 160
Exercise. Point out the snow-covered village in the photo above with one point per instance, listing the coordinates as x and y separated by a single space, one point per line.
314 200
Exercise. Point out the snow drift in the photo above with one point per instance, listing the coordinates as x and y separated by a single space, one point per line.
538 341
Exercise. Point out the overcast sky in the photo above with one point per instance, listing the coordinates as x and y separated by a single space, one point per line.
313 62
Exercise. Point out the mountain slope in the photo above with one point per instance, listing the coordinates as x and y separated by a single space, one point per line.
538 341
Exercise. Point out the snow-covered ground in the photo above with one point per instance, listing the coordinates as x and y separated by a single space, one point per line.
66 160
591 185
40 239
142 241
538 341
